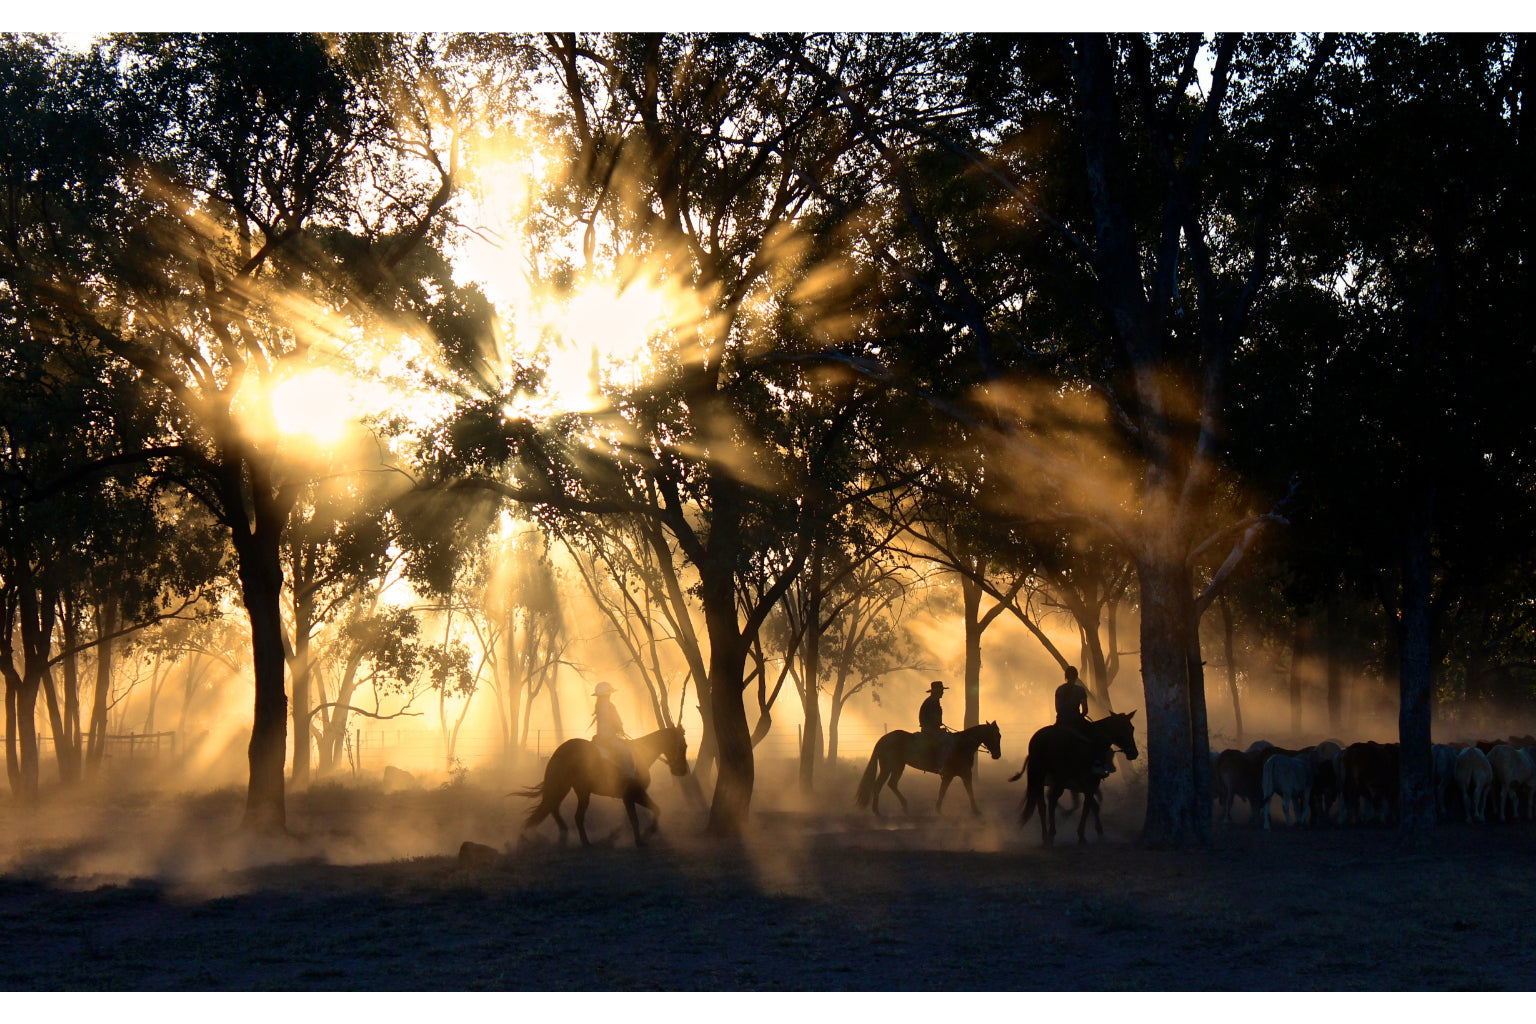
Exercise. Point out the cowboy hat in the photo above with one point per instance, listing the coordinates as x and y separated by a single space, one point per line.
937 686
603 689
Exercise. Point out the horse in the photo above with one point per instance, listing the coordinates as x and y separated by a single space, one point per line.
953 756
578 764
1062 760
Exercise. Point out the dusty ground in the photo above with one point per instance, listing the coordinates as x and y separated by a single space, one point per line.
145 890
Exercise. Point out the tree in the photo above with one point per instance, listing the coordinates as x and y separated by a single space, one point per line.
1109 171
685 160
235 252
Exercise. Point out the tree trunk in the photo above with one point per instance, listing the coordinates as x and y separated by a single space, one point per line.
37 619
67 747
1199 731
1165 654
106 625
26 784
1098 667
12 756
1416 803
55 714
970 593
261 588
1229 653
514 685
810 699
736 773
12 698
303 623
834 716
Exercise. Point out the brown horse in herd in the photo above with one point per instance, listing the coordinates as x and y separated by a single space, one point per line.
951 757
1061 760
578 764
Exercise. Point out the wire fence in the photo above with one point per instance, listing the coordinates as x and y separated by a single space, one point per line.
129 746
425 750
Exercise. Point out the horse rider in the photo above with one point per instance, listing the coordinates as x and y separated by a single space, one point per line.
930 718
611 739
1072 715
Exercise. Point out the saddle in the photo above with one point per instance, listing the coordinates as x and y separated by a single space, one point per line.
1102 754
625 763
931 750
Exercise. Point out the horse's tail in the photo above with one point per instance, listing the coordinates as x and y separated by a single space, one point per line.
539 811
1034 797
867 783
1019 774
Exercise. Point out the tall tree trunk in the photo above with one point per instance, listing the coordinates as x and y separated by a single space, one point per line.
1229 653
12 755
970 593
834 717
810 701
37 620
333 740
514 684
1199 730
1097 665
736 772
55 715
1171 819
12 698
1416 802
261 587
303 623
26 783
67 748
106 625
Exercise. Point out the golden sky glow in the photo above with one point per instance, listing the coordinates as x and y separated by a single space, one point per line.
317 405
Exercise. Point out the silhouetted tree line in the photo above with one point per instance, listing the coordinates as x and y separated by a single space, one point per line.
1093 324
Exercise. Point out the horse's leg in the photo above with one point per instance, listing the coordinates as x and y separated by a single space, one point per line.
971 793
880 782
1098 804
1052 795
1037 795
583 798
1090 806
944 781
554 812
634 816
895 778
645 801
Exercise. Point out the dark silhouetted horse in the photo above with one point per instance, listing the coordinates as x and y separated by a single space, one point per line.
1061 760
579 765
952 756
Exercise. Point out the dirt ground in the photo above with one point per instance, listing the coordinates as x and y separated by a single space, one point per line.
149 890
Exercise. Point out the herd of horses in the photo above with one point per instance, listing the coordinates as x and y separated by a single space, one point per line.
1328 782
1060 760
1345 785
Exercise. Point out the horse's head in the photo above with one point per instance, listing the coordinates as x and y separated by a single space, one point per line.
992 739
675 752
1121 732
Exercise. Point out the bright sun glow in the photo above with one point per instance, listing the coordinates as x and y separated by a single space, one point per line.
316 404
597 336
605 326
